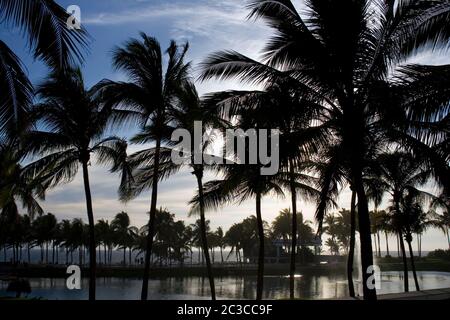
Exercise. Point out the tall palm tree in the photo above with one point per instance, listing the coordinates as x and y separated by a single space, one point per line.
295 132
220 236
145 100
73 130
185 113
344 63
242 182
44 24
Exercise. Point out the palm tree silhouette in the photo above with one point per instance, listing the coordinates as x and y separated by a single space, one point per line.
442 221
76 125
402 173
121 227
18 182
145 101
345 63
242 182
44 23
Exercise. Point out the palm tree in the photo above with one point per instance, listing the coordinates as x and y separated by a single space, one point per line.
402 173
17 94
345 63
444 224
145 100
17 183
121 227
442 221
44 228
44 23
186 112
282 225
76 125
241 182
106 236
295 132
332 229
234 239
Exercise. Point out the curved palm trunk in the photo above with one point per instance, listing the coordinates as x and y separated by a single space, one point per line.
151 228
90 213
351 251
365 237
199 175
260 278
413 266
294 231
405 262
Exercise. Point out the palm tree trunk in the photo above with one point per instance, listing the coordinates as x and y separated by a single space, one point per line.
375 243
413 266
351 251
151 227
448 237
418 246
365 236
405 263
294 229
90 213
387 243
199 175
260 278
379 246
124 255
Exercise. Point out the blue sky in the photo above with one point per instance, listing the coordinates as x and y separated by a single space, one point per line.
208 25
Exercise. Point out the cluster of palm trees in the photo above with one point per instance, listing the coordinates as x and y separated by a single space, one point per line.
174 241
350 109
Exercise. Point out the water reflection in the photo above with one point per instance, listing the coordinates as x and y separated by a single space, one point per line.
275 287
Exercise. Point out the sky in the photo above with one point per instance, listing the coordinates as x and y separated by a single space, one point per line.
209 26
